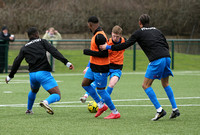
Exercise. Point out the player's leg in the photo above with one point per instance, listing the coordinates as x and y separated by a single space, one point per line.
87 80
165 83
113 81
101 82
152 96
50 85
150 93
54 96
31 99
115 75
35 85
169 92
86 95
154 71
175 112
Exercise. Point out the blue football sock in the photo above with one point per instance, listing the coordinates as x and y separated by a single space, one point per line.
87 93
31 99
109 90
93 84
170 95
53 98
152 96
92 93
106 98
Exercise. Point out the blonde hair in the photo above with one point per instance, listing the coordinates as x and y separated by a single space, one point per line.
117 29
51 28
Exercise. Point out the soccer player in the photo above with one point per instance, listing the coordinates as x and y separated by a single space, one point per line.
116 62
155 46
98 70
34 53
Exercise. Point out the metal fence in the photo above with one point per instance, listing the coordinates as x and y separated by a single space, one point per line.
188 46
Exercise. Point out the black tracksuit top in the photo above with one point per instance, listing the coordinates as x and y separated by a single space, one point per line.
34 53
150 39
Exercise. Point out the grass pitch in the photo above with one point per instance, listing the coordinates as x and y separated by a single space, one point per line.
72 117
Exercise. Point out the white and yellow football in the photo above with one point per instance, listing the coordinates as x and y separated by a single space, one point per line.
92 107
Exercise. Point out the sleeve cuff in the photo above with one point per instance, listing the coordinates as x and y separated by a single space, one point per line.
8 78
108 47
68 64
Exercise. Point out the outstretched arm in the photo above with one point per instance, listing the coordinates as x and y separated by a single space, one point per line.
99 40
56 54
16 65
95 53
120 46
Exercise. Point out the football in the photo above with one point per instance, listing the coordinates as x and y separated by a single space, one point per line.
92 107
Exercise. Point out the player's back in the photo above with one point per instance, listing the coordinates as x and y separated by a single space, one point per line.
152 42
35 55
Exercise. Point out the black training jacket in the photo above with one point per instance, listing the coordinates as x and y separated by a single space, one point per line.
34 53
150 39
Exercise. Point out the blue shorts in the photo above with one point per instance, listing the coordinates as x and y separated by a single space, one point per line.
43 78
115 72
99 78
158 69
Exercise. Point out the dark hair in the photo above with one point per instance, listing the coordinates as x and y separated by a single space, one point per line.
145 19
93 19
4 28
32 32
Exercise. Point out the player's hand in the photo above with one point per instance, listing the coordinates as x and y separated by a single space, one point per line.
71 67
7 79
85 70
103 47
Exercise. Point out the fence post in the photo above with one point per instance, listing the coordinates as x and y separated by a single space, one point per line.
6 57
51 58
172 54
134 57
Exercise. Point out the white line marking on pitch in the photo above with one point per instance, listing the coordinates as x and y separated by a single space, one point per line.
24 105
7 92
120 100
20 81
125 100
125 73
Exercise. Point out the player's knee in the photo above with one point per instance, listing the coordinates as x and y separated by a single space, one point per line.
165 85
34 90
111 85
144 86
82 84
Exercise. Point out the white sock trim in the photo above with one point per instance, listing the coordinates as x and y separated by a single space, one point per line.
115 111
100 104
159 109
174 109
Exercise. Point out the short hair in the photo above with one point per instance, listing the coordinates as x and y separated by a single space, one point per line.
32 32
51 28
117 29
93 19
145 19
4 28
